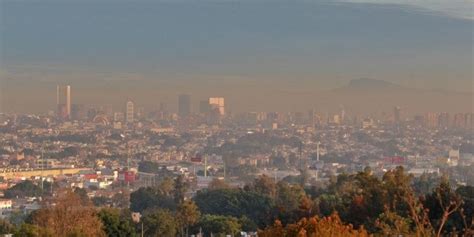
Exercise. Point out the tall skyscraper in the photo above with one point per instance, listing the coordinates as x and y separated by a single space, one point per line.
311 118
432 119
343 115
129 111
204 107
184 106
444 120
78 112
63 101
459 120
217 103
396 114
469 120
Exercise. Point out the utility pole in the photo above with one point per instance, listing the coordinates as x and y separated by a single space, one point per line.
317 151
224 170
205 166
42 164
128 168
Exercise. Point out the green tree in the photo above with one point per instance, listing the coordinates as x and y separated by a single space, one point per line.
218 184
264 185
425 183
82 193
148 167
166 186
367 200
187 214
23 189
391 224
121 200
28 230
237 203
149 198
396 184
247 224
160 223
100 201
288 200
218 225
180 188
6 227
466 213
444 205
116 223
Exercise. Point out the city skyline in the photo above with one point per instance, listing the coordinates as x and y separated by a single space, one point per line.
250 118
212 111
229 48
355 96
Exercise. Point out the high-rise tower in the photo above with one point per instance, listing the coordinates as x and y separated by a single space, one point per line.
63 101
129 111
217 103
396 114
184 106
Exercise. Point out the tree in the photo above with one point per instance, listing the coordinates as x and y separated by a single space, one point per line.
82 193
100 201
115 223
218 225
28 230
187 214
391 224
443 203
180 187
466 213
149 167
149 198
23 189
237 203
315 226
121 200
159 223
397 184
425 183
70 216
6 227
288 199
218 184
264 185
166 186
367 200
306 207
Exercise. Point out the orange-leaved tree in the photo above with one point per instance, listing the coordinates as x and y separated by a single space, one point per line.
312 227
70 216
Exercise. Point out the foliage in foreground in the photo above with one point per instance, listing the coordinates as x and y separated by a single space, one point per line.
312 227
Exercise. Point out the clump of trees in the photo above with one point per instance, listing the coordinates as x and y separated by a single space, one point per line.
71 216
314 226
27 189
359 204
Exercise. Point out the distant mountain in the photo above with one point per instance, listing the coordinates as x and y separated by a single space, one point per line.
368 95
370 84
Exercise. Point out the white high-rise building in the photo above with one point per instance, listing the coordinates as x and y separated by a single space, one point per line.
129 112
217 102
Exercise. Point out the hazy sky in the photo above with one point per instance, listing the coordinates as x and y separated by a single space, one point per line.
110 48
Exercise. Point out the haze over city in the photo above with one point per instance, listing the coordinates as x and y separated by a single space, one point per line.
242 118
152 51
